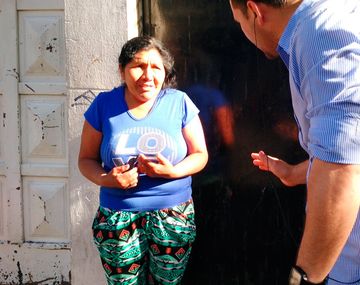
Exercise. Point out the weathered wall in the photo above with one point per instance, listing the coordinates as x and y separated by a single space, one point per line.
34 224
53 54
94 32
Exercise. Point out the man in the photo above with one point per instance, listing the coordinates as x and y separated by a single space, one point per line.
319 41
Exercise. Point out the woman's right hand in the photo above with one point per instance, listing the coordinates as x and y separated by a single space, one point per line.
121 177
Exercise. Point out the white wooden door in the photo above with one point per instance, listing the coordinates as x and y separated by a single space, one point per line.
34 204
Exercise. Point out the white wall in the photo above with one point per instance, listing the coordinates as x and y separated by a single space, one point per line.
94 32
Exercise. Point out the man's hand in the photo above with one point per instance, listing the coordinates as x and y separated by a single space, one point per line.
290 175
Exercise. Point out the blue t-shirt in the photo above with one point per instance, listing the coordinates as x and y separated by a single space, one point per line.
124 137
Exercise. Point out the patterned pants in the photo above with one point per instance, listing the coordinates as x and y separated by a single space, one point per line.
145 247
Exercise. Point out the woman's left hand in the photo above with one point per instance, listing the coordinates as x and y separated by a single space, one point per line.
158 167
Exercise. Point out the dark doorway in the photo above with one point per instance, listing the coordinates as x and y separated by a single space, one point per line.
249 224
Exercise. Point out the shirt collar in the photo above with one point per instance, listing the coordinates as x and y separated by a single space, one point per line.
285 40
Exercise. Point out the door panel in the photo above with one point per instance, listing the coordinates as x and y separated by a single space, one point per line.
41 47
45 202
34 202
43 127
43 120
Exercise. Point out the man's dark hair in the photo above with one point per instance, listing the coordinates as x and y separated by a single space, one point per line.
273 3
141 43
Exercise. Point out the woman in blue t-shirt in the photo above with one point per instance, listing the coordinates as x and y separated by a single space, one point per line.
141 142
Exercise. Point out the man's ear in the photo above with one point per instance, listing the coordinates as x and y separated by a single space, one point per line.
255 9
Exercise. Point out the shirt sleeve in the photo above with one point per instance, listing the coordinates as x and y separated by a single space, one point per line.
190 110
334 107
93 113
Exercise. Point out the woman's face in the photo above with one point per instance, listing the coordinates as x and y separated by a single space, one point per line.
144 75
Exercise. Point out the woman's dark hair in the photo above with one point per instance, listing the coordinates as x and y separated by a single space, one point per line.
133 46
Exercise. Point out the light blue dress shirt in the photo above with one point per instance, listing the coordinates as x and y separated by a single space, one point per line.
321 48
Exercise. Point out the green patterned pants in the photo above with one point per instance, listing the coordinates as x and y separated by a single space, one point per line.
140 248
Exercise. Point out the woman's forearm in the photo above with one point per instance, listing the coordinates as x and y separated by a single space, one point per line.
192 164
92 170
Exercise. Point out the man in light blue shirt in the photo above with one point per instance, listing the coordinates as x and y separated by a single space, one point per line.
319 41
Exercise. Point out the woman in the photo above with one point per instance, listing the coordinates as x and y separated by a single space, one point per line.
141 142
